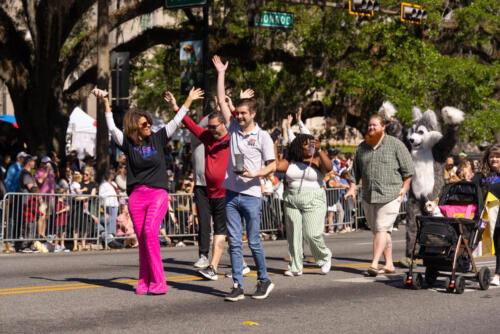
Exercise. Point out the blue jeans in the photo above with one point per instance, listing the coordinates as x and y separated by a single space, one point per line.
240 206
110 222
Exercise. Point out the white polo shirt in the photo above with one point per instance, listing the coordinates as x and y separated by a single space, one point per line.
257 148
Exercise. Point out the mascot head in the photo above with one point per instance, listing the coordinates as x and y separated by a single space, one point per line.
393 126
425 130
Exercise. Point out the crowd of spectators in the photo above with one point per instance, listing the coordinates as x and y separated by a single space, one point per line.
74 175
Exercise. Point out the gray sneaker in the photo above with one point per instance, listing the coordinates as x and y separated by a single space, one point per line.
209 273
202 262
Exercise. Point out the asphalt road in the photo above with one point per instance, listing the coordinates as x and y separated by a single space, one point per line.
94 292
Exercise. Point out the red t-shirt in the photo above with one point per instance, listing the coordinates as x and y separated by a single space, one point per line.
61 218
216 157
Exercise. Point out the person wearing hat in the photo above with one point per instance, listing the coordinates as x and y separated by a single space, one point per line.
45 176
12 177
450 174
26 179
464 168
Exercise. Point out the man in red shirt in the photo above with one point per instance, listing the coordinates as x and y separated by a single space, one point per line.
216 140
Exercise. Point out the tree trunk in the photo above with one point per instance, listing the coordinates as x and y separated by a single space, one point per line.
103 71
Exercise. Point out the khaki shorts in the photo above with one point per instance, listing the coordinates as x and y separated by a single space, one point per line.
381 216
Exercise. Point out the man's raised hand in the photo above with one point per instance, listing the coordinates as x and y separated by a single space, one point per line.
247 94
219 65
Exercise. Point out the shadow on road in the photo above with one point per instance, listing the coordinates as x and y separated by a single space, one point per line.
108 283
197 288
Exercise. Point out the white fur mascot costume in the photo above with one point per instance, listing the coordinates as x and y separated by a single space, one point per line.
429 150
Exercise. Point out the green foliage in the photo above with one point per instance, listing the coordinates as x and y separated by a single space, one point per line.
355 63
151 75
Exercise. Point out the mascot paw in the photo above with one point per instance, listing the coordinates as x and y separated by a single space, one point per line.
452 115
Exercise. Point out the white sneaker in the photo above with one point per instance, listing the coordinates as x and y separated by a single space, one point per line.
246 270
495 281
202 262
326 267
290 273
180 244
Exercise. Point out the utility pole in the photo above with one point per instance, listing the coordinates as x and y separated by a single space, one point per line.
103 73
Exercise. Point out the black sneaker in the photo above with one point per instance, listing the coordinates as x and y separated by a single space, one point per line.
263 289
236 294
209 273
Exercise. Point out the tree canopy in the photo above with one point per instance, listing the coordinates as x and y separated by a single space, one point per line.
339 65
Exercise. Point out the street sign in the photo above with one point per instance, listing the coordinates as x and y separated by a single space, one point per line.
184 3
269 19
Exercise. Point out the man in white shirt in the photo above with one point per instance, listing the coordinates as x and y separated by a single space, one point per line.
243 193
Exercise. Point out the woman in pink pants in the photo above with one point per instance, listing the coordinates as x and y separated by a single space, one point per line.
146 184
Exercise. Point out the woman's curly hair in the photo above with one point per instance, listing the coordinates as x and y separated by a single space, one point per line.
295 150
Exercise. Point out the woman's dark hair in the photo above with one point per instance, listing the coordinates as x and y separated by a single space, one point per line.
131 124
295 150
485 164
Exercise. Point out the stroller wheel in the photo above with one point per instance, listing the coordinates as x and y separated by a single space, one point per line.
407 281
447 283
417 282
484 278
431 275
460 285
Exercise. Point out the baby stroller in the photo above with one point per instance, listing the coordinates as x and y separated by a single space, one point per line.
446 243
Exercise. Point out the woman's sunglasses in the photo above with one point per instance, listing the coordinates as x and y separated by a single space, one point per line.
145 124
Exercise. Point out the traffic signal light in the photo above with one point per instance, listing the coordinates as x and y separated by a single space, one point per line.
363 7
412 13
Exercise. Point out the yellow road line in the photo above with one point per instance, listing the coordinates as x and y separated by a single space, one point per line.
77 286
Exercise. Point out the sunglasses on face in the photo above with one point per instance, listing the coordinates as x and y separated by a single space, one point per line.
213 127
145 124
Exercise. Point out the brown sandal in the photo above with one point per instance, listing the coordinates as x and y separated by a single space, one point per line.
374 271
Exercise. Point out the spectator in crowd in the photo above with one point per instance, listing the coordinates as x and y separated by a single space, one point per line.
110 198
4 165
476 167
146 184
464 171
31 215
465 166
183 210
489 180
243 194
305 202
76 187
121 179
450 171
349 206
46 182
61 209
26 179
386 168
125 227
75 163
54 161
349 159
66 179
13 173
334 208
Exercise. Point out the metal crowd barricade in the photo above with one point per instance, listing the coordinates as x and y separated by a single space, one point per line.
272 216
28 217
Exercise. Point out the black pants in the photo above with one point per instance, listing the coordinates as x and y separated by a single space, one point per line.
496 244
204 219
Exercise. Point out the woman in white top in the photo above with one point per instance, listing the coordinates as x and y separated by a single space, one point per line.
305 202
109 196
